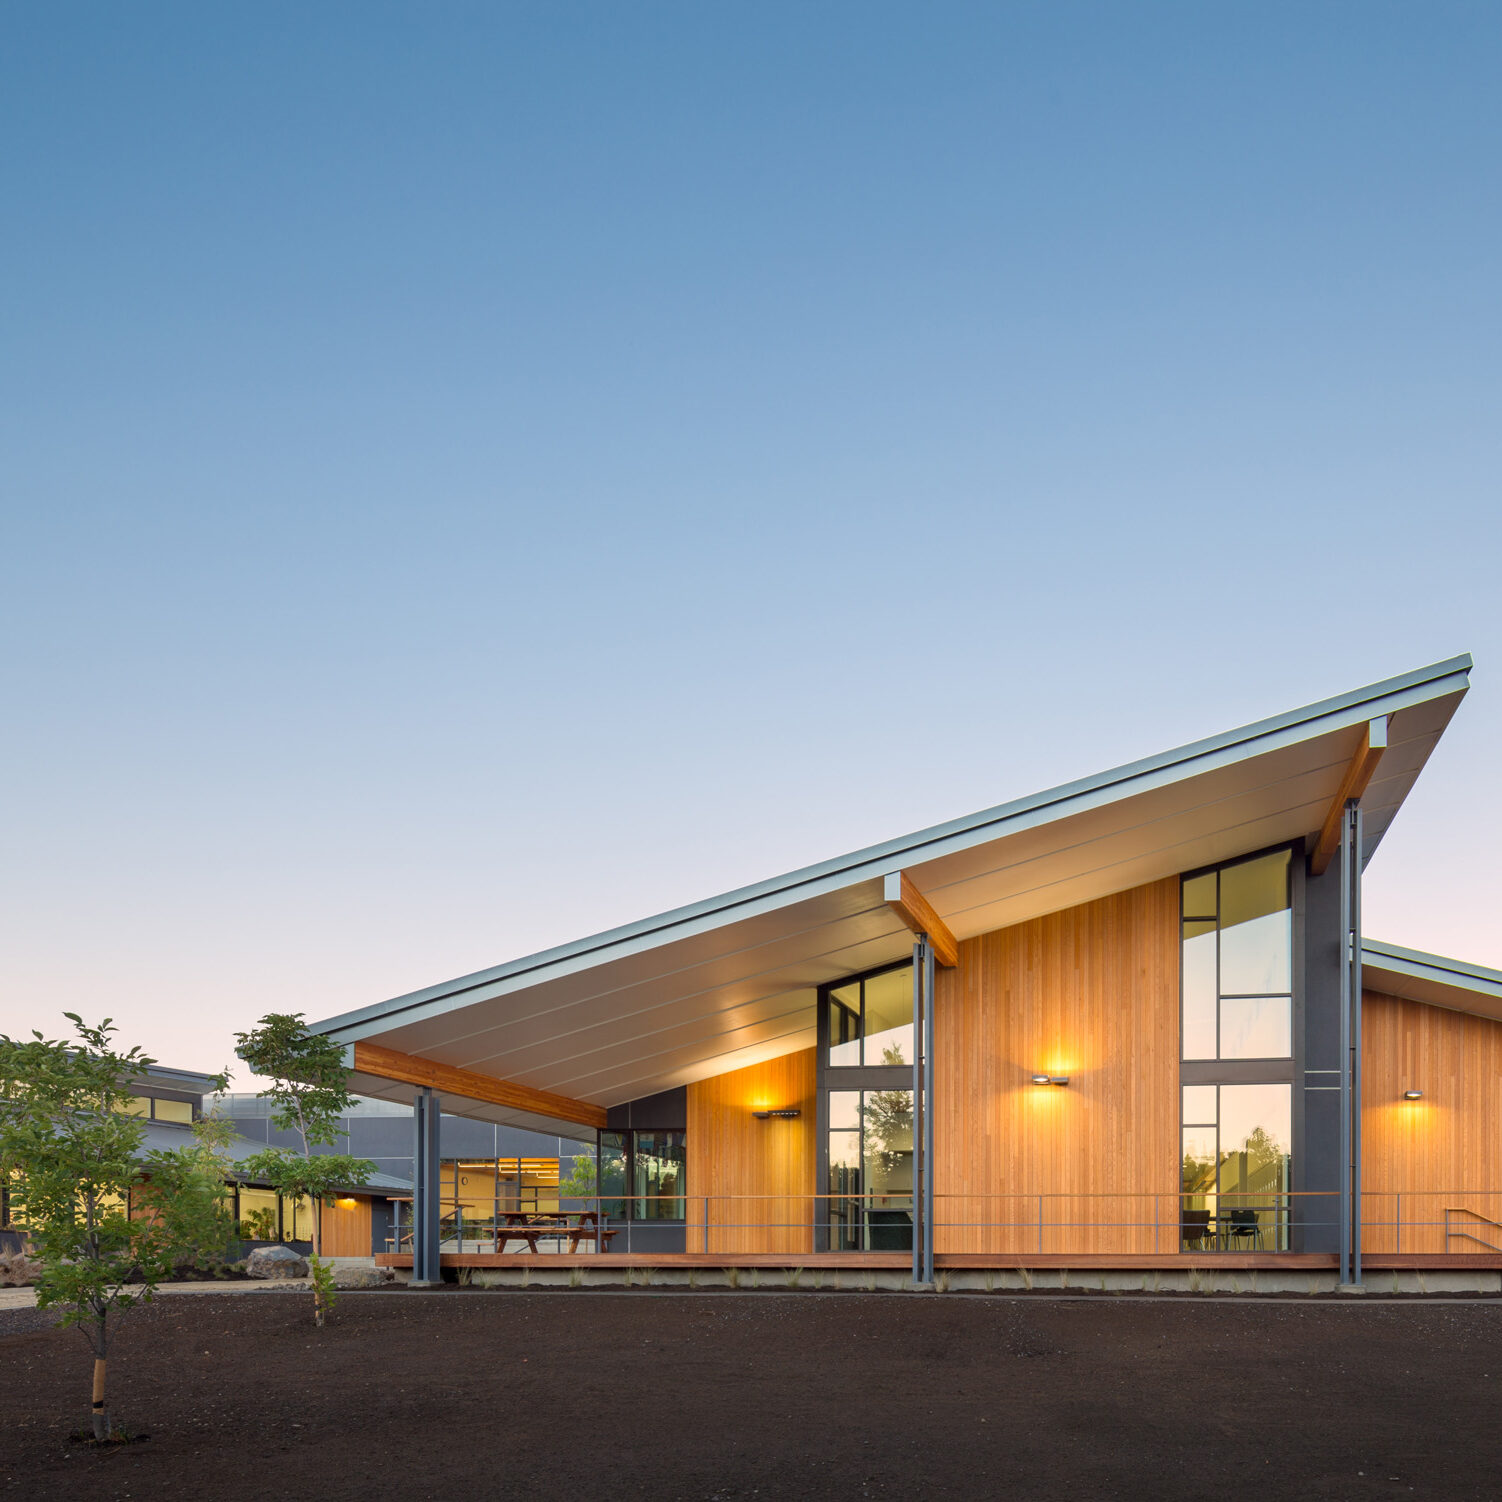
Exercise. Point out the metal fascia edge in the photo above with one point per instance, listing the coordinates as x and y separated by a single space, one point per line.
905 848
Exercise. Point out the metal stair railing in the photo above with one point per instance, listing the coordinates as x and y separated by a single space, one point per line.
1486 1220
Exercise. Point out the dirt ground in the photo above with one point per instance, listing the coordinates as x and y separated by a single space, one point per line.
473 1396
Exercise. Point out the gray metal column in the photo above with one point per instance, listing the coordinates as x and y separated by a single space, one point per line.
1354 966
928 1111
1345 1046
1350 1044
426 1272
918 1174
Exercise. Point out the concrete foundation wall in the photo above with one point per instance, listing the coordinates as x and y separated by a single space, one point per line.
1189 1280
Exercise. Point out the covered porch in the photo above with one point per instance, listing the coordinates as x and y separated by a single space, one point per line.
958 1052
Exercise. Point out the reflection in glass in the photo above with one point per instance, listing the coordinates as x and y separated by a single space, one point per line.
1256 1120
1257 956
1256 1027
1238 942
844 1110
613 1174
845 1025
1199 896
1199 1103
1197 1175
1199 990
1235 1173
871 1020
870 1148
1256 939
659 1163
1255 1133
889 1017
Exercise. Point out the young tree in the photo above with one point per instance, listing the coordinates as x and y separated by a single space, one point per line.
310 1090
68 1137
186 1193
582 1180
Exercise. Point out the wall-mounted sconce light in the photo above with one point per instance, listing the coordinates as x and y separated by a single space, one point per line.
1413 1095
786 1112
1050 1079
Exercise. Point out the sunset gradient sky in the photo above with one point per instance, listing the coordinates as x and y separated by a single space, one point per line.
477 474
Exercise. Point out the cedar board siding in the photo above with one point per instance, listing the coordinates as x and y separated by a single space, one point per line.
1444 1152
758 1175
346 1231
1091 992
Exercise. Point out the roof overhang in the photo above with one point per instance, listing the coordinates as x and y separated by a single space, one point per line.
732 980
1431 978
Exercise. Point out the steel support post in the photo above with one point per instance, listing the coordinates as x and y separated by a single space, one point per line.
918 1174
1345 1051
1354 965
928 1112
426 1190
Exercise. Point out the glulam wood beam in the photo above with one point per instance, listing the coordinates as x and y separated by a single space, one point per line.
915 910
1353 785
389 1064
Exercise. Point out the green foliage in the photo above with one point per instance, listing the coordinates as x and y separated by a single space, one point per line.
320 1176
309 1086
322 1276
66 1132
185 1193
70 1139
583 1178
259 1225
310 1090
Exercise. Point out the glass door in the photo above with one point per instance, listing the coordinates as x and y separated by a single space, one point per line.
870 1170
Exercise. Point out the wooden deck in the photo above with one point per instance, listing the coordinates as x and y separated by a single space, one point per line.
1125 1261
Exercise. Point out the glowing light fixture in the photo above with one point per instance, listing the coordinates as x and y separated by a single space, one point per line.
784 1113
1413 1095
1050 1079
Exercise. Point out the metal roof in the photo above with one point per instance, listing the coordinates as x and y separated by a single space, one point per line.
1431 978
731 980
168 1136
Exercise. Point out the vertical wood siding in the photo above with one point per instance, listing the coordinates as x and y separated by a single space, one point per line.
1093 993
346 1231
731 1153
1422 1158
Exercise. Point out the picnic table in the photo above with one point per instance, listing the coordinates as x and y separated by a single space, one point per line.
532 1226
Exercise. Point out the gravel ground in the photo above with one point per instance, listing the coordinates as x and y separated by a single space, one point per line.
738 1396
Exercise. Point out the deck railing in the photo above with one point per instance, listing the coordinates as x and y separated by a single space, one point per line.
1429 1222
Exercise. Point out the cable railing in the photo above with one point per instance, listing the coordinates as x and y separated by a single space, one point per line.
1012 1224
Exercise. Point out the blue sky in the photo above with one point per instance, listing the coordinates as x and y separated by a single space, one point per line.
473 475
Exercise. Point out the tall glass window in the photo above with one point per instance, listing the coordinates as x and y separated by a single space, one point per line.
1235 1168
659 1164
1238 960
871 1020
614 1154
643 1175
871 1170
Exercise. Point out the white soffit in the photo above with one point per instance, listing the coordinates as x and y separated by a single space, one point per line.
731 981
1431 978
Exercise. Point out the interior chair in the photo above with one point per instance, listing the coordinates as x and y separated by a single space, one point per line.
1194 1227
